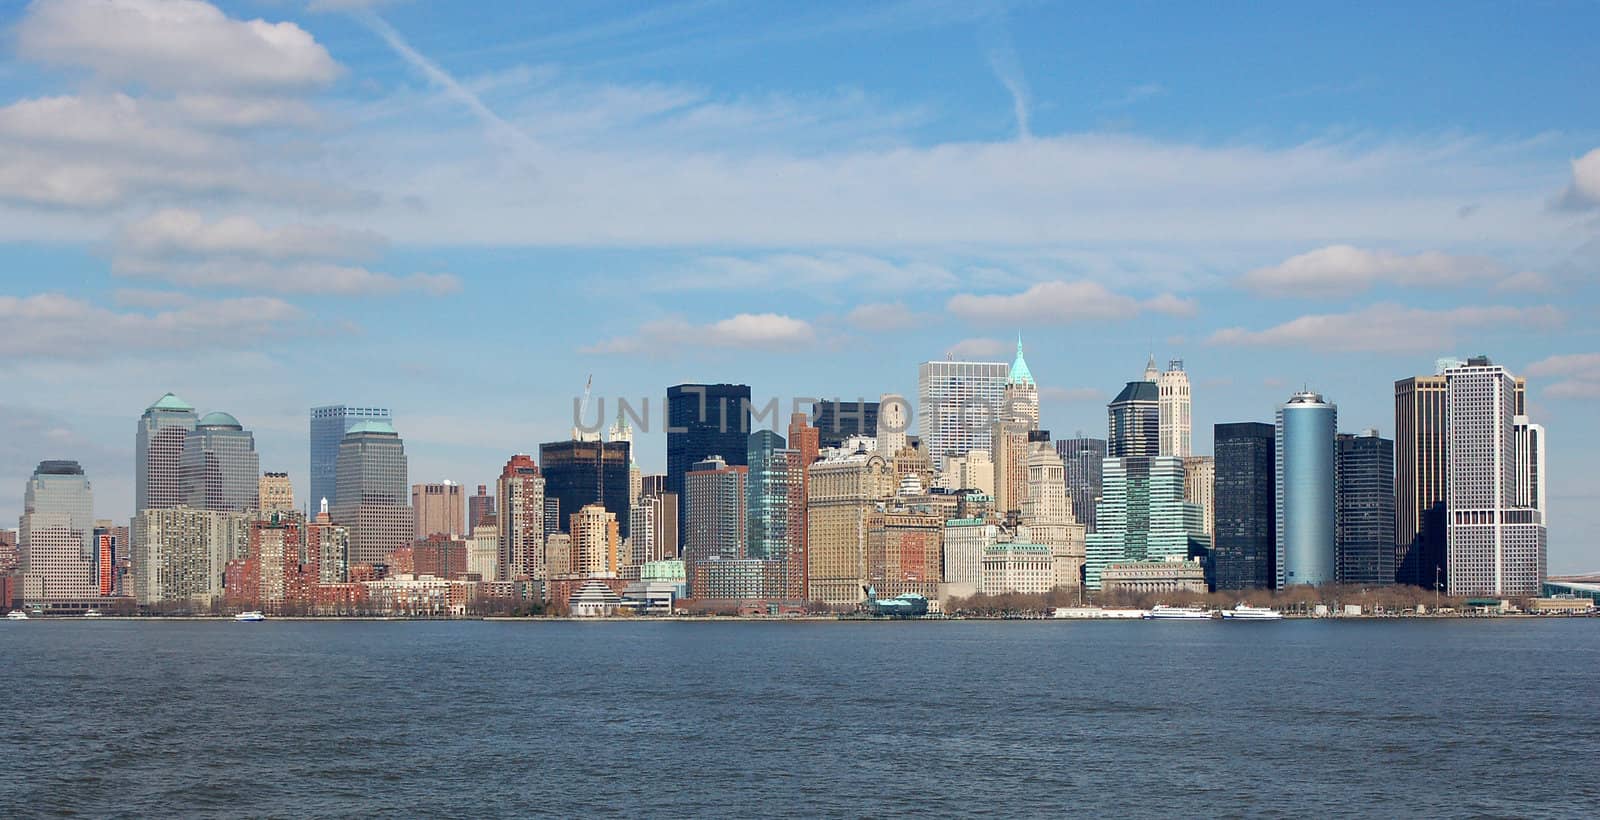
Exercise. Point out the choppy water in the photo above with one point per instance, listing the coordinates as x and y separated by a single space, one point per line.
800 719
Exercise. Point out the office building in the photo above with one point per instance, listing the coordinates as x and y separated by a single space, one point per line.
893 424
1364 486
803 439
1047 512
1244 530
1081 461
596 542
973 471
1496 537
483 551
1199 488
716 508
158 455
776 508
837 421
844 490
1134 421
328 427
905 551
1306 503
1142 516
959 403
1010 442
1172 388
1155 577
621 432
580 473
276 493
965 540
436 509
704 420
480 508
182 554
520 495
372 492
1017 567
55 539
1021 395
220 469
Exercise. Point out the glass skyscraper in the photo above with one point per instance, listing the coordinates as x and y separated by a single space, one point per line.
1364 476
704 420
221 470
328 426
959 403
1134 421
838 420
1142 516
158 454
1081 458
56 537
1306 508
1245 520
580 473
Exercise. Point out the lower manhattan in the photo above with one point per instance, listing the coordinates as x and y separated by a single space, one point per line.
894 408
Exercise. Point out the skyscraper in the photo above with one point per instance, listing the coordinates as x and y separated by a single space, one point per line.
1021 393
55 546
1306 504
580 473
959 403
1173 387
182 553
372 491
905 551
1244 530
436 510
839 420
328 426
1010 442
1142 516
158 455
704 420
776 508
716 509
1081 458
844 490
1047 512
1200 488
596 542
220 469
1365 497
1134 421
276 493
894 418
1496 538
621 432
520 495
480 508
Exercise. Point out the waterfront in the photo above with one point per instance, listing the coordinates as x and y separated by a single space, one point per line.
1448 717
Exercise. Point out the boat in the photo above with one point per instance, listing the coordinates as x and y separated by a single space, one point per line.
253 616
16 615
1246 612
1094 613
91 613
1162 612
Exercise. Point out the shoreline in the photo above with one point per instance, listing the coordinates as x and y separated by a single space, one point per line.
769 619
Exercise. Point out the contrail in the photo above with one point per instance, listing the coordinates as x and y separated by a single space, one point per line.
1008 70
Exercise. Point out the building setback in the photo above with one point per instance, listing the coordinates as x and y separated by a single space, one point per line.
1365 488
1245 521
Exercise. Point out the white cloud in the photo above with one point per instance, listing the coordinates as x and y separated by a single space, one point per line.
978 349
1584 190
1577 375
293 277
1391 328
1060 302
1342 270
52 325
173 44
884 317
769 331
806 271
177 232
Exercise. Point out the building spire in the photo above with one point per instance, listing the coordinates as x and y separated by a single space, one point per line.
1019 373
1150 371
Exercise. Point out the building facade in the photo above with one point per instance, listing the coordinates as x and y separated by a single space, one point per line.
704 420
596 543
220 469
373 497
1047 513
521 528
182 554
717 527
328 426
1200 487
837 421
1142 516
437 510
158 454
1244 530
905 551
1081 460
276 493
1134 422
56 549
775 509
965 540
1307 547
1017 567
1364 485
580 473
1172 388
843 491
958 404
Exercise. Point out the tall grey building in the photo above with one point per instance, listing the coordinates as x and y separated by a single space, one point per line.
1134 421
1307 547
1364 482
1245 522
220 469
328 426
373 492
158 454
1081 458
55 539
958 405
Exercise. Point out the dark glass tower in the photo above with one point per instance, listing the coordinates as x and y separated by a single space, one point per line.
586 472
704 420
1082 458
838 420
1364 481
1245 529
1134 422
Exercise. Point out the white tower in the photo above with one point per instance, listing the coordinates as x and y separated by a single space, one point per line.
1173 389
891 432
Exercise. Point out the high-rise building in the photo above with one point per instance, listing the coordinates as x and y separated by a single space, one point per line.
1047 512
480 508
1496 537
1364 485
621 432
55 546
655 529
1307 547
1021 393
328 427
704 420
959 403
894 420
1142 516
276 493
844 489
1199 488
580 473
1081 458
372 492
905 551
520 494
1010 441
328 544
436 510
973 471
776 507
716 509
158 471
1134 420
596 542
1244 531
837 421
803 439
182 553
1173 389
220 469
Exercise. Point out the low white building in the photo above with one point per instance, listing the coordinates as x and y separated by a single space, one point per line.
965 539
1017 567
1172 575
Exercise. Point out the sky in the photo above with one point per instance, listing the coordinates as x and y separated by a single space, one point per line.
464 212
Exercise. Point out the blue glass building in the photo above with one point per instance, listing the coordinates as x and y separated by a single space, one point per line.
328 426
1307 546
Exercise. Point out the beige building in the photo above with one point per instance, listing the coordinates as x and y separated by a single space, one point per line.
483 552
973 471
843 491
596 542
438 509
1010 466
1172 389
1175 575
275 492
520 499
1199 488
1047 514
905 551
182 553
1017 567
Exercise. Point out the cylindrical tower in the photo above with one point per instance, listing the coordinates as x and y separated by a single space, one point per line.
1306 434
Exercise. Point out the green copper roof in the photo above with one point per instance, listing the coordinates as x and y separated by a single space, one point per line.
371 426
171 402
219 419
1019 368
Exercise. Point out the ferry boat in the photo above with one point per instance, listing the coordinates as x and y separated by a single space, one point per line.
1246 612
1162 612
16 615
91 613
253 616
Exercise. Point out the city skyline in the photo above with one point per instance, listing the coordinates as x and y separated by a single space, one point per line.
693 197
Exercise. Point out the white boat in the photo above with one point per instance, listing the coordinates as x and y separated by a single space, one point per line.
253 616
16 615
1246 612
91 613
1162 612
1095 613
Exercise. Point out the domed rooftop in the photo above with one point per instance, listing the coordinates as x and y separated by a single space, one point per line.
372 426
171 402
220 419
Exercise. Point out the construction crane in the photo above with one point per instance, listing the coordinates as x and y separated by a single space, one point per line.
583 411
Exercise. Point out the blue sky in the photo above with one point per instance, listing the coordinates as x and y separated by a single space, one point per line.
463 211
